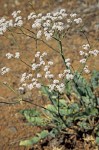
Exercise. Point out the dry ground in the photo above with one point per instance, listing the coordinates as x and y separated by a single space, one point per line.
12 126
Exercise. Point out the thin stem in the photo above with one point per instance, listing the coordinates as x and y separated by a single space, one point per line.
61 52
9 87
38 39
21 99
88 55
59 111
25 63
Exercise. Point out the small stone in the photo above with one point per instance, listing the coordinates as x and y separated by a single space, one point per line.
13 129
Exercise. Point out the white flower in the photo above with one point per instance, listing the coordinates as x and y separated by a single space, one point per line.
60 87
21 89
73 15
69 21
60 75
18 18
4 70
34 79
78 20
42 62
51 87
83 60
40 15
19 23
50 62
50 76
46 24
17 55
22 79
81 53
9 55
38 85
37 23
37 54
32 16
44 18
67 60
55 81
69 76
94 52
39 34
24 84
68 64
15 13
2 20
34 83
86 46
10 23
44 54
39 75
59 26
48 72
48 36
86 54
24 74
46 76
34 66
30 86
86 70
62 10
66 71
29 76
46 68
33 25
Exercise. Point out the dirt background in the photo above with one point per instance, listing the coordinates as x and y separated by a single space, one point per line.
12 125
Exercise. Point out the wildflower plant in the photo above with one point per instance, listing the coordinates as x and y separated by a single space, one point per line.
73 105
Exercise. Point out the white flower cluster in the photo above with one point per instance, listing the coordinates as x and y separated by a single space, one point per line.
51 23
5 24
85 53
89 52
57 86
86 70
29 82
16 55
41 61
17 19
78 20
48 74
86 46
67 61
4 70
94 52
9 55
47 24
83 61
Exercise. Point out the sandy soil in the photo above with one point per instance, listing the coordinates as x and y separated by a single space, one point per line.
12 125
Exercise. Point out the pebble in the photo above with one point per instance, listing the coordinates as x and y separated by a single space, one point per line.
13 129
